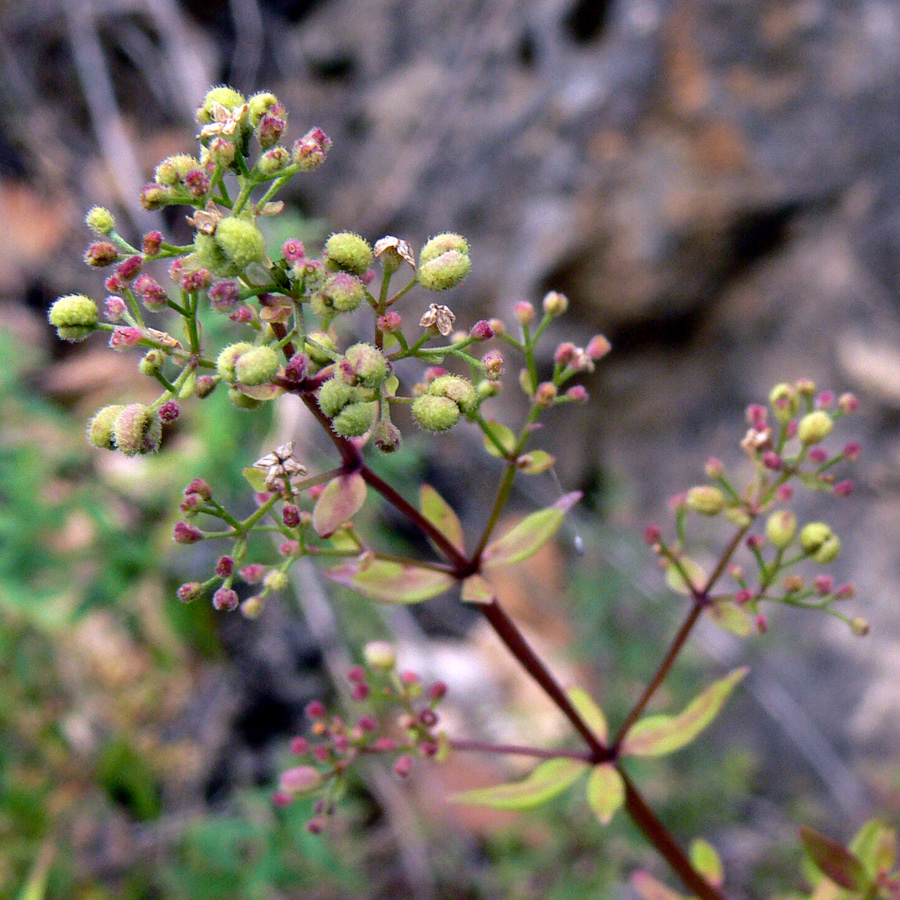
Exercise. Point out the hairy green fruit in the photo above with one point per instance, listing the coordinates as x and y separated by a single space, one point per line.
441 244
137 430
706 500
814 427
256 366
315 348
227 360
349 252
241 241
334 395
100 220
461 391
435 413
100 430
241 401
367 364
354 419
781 528
74 317
224 96
444 272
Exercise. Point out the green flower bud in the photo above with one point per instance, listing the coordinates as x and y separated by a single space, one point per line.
705 499
173 168
152 362
781 528
228 357
815 427
387 436
226 96
435 413
784 402
340 293
241 241
334 395
100 430
815 536
259 105
273 161
315 351
441 244
354 419
859 626
368 364
241 401
256 366
137 430
276 580
444 272
100 220
349 252
555 303
459 390
380 655
74 317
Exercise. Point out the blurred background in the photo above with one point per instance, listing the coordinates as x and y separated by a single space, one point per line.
713 183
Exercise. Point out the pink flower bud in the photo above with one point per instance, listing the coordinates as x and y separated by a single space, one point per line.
121 338
843 488
185 533
315 826
409 679
199 486
825 400
385 745
578 393
315 709
290 515
299 746
762 623
114 284
817 455
224 296
845 592
824 584
852 451
428 748
322 754
360 692
297 368
437 691
756 416
598 347
390 322
169 411
281 799
293 250
128 268
743 596
189 591
524 312
428 717
225 566
225 600
402 766
756 542
289 548
114 308
242 315
652 534
784 492
565 353
101 254
152 243
848 403
482 331
771 460
367 723
714 467
299 780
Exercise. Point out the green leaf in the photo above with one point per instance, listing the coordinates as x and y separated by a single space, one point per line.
36 886
392 582
605 791
544 783
589 711
256 477
707 862
530 534
835 861
651 889
731 617
660 735
693 570
535 462
876 845
476 589
439 512
338 503
504 437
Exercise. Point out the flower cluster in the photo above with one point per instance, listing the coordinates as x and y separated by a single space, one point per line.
787 451
402 730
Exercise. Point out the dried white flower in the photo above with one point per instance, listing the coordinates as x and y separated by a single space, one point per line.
281 465
440 317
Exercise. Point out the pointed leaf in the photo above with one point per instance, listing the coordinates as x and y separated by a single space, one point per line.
530 534
651 889
675 578
605 791
876 845
260 391
544 783
834 860
392 582
731 617
504 437
338 503
660 735
589 711
439 512
535 462
707 862
257 479
476 589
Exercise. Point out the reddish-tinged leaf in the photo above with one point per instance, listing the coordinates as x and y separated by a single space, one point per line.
536 461
707 862
651 889
392 582
476 589
835 861
876 845
338 503
590 713
731 617
544 783
605 791
439 512
256 477
504 437
675 576
660 735
530 534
